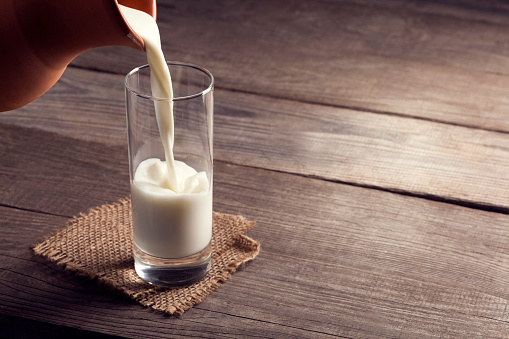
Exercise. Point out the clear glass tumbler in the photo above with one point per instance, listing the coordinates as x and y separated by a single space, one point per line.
172 232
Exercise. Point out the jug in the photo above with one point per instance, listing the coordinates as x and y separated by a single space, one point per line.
39 38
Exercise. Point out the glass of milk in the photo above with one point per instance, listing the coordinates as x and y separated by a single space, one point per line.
170 162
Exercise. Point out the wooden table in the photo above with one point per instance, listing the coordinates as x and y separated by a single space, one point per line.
368 139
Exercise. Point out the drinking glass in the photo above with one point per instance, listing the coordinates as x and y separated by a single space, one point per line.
171 232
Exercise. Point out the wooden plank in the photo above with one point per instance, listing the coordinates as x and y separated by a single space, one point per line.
83 104
424 158
338 241
13 327
336 260
54 174
442 61
435 160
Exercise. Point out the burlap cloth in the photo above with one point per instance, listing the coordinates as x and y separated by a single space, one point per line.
98 245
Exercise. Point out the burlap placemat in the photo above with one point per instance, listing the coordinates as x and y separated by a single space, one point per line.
98 245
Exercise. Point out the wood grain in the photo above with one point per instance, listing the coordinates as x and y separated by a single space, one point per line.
53 174
444 61
357 262
410 156
423 158
83 104
367 139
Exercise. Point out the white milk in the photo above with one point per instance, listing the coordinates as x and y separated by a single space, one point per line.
172 203
169 224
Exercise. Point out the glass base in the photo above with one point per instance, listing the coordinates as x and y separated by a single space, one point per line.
172 272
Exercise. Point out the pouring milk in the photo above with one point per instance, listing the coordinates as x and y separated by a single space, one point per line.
172 202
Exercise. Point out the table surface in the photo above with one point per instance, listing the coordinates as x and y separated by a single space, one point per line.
368 139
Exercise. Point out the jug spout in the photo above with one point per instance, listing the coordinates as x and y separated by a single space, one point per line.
147 6
38 39
110 27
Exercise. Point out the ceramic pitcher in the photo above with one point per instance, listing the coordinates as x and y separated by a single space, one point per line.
39 38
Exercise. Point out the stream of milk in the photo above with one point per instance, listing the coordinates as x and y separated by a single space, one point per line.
172 202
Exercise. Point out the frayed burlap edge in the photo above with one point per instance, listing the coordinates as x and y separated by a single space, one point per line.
147 299
232 251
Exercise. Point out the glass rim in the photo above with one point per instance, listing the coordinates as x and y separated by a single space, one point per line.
169 63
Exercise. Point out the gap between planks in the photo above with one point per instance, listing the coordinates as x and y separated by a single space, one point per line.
431 197
324 104
34 211
423 195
